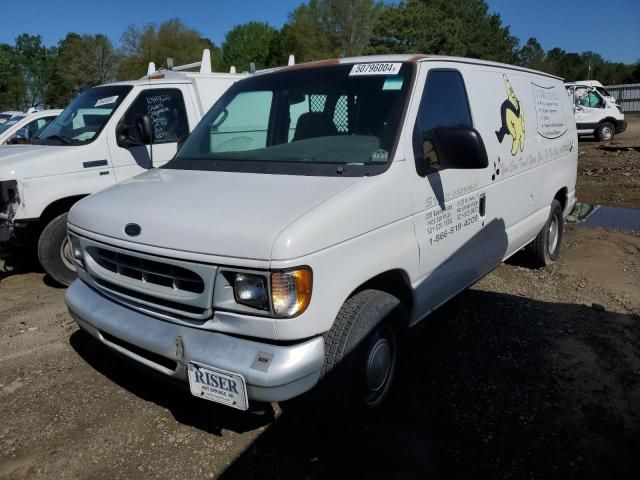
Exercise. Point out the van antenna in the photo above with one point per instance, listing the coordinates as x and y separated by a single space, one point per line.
292 60
252 67
151 68
232 69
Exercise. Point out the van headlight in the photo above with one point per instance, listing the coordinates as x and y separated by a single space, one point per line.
281 294
76 249
291 291
251 290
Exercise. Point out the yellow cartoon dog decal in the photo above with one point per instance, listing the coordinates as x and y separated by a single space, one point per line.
512 115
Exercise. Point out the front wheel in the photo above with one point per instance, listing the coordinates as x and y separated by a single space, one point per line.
362 351
546 246
605 132
54 251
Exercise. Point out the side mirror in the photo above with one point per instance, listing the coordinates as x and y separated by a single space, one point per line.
460 147
138 134
448 147
21 137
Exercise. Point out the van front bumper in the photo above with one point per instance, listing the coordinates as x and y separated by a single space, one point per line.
166 347
621 126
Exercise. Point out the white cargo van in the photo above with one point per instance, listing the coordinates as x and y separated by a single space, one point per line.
595 114
315 213
93 144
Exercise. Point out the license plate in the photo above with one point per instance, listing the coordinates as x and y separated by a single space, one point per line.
218 386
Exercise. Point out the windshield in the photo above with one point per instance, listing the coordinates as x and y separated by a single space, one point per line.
84 118
339 119
4 117
9 123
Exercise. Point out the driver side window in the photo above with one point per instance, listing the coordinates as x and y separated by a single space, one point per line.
166 109
444 104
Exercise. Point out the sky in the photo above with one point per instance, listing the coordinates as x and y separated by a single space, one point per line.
610 28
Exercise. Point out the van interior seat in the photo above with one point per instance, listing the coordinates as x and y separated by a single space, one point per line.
314 124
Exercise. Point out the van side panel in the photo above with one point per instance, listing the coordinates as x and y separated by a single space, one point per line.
527 124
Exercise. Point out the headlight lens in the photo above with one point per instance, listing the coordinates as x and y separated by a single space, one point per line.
291 291
251 290
76 249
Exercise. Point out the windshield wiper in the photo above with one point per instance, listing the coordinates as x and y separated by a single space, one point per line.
62 138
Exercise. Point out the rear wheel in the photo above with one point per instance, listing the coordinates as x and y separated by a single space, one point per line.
546 246
54 251
605 131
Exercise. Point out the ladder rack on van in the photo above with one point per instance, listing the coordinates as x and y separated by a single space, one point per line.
204 64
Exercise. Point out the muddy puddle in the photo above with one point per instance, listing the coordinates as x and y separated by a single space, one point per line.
614 218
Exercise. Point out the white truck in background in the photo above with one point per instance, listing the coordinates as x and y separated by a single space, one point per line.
96 142
595 110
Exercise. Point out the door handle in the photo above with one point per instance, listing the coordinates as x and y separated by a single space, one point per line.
482 205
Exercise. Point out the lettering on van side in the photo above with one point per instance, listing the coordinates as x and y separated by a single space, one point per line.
549 113
457 216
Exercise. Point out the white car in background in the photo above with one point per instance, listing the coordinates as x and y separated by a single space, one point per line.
4 116
23 127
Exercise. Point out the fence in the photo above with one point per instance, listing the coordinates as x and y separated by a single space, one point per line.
627 96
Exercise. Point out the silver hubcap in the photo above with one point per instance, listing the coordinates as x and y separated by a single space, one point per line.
67 255
381 359
553 235
607 133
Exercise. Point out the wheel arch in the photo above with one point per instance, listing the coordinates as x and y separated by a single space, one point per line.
395 282
562 197
58 207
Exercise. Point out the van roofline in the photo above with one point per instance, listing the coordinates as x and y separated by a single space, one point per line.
414 58
169 76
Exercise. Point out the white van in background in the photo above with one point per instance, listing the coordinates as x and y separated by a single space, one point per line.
25 127
4 116
598 87
315 213
96 143
595 115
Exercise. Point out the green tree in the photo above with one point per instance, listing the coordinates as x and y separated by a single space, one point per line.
36 63
250 42
172 39
12 86
83 61
531 55
446 27
330 28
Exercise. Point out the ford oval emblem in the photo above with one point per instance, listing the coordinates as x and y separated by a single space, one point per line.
132 229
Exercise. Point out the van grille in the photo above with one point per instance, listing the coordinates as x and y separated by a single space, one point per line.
168 288
148 271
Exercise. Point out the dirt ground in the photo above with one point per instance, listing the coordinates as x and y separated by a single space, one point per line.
529 374
609 173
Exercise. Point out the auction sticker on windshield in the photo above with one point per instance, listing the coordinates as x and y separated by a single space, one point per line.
218 386
376 68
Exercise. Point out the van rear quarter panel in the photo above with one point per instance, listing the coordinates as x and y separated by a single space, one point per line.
527 123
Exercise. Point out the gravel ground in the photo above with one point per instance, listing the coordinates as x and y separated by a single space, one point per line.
528 374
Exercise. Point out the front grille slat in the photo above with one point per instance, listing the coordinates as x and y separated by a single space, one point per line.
148 271
162 287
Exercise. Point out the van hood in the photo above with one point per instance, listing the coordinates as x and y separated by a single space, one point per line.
29 161
237 215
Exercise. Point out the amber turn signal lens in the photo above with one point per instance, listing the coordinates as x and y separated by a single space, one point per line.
291 291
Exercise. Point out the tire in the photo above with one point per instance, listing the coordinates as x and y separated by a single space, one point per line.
605 132
362 352
546 246
51 251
